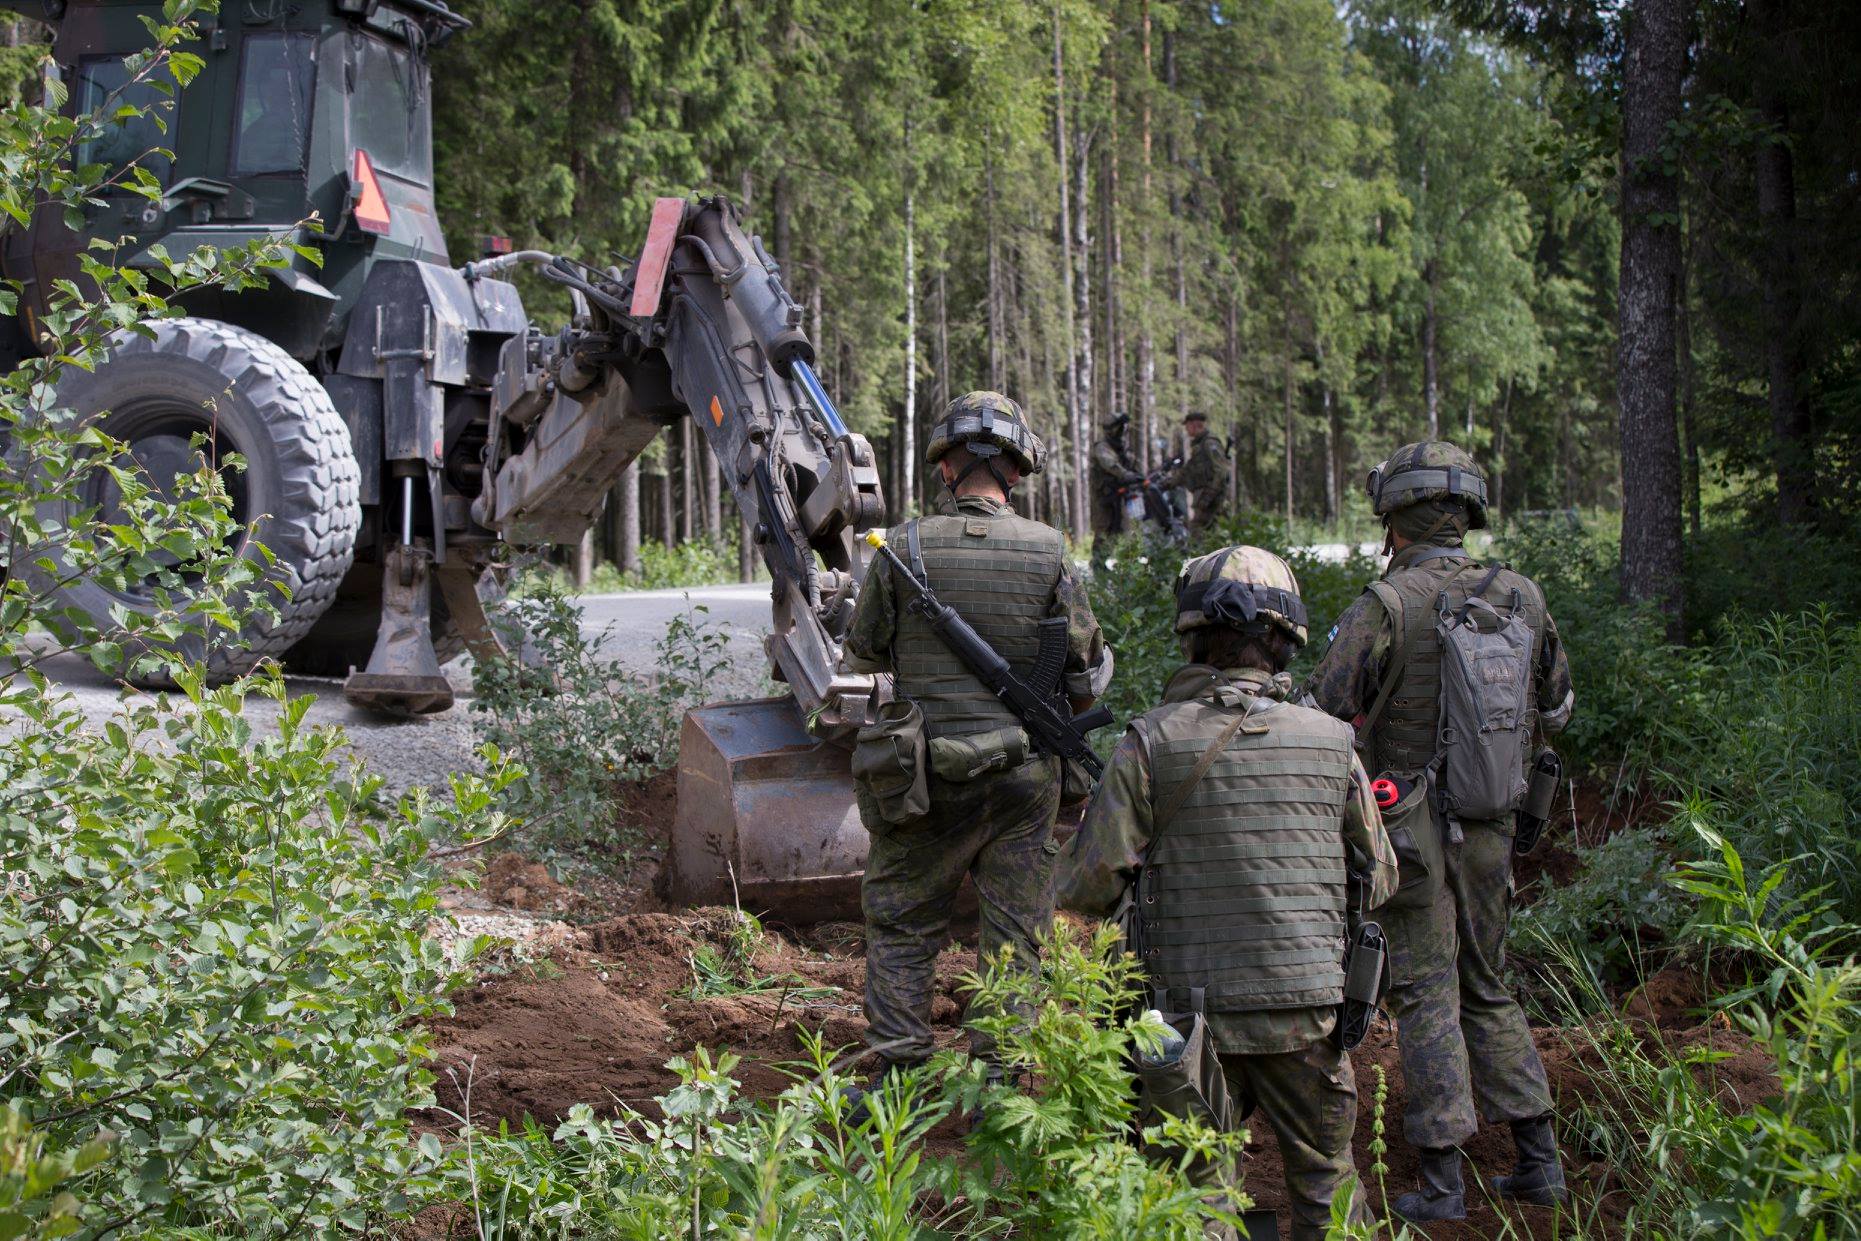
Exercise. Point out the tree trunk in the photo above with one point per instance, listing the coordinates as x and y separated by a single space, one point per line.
668 521
908 418
1286 393
583 562
1176 238
998 318
688 481
1431 358
1110 237
629 489
713 476
1498 499
1654 63
1082 298
1792 446
1683 325
1146 342
1230 372
1066 268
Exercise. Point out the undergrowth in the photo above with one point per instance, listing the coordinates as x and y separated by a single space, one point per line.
585 729
1049 1158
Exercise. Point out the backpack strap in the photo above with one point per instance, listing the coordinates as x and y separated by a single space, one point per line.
1398 655
914 549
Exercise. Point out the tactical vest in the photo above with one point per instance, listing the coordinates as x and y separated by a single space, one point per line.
1000 571
1404 738
1244 893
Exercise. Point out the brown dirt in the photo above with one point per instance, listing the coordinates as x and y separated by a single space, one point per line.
599 1019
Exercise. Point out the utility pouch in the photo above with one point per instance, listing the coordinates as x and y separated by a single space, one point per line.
889 761
1416 836
1076 783
1547 773
962 759
1189 1083
1366 979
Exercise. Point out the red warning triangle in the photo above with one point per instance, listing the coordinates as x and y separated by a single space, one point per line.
371 208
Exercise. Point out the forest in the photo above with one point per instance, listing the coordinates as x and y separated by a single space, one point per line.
273 967
1609 257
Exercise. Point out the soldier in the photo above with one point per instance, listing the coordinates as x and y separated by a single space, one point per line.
1004 573
1244 890
1205 474
1462 1035
1110 469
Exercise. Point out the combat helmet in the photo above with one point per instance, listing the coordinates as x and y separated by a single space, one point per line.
1240 587
1430 470
988 424
1114 422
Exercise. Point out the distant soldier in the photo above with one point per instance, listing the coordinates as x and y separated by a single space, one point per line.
1205 474
1243 895
992 820
1110 469
1463 1036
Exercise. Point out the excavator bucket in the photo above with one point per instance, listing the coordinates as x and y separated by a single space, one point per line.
765 816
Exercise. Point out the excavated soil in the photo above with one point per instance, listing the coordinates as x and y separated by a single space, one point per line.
598 1018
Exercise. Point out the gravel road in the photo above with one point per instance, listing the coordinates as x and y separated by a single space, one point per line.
406 753
628 628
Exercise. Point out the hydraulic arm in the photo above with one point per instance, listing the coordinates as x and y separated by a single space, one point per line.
699 326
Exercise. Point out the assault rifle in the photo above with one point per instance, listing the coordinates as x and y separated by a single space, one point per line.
1037 705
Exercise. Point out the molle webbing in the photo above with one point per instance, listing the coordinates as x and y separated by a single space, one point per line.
1002 579
1244 894
1404 738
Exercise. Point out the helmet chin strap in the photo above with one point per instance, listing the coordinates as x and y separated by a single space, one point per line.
981 455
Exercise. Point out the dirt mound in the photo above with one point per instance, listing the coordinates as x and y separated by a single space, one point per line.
599 1019
513 881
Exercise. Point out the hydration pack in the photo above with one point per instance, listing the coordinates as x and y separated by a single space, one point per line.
1485 732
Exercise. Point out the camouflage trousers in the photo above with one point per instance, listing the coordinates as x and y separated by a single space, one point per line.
1107 511
997 832
1463 1037
1309 1099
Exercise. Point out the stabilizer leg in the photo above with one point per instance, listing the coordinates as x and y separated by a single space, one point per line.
403 676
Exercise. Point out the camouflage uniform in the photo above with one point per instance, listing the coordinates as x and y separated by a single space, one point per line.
1205 476
1464 1039
1286 813
1109 470
998 828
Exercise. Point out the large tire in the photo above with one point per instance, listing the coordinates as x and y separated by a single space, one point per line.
300 483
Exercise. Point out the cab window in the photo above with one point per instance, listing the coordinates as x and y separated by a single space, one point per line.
390 116
276 75
103 82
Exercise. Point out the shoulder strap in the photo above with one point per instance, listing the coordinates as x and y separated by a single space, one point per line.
1182 791
1391 600
914 548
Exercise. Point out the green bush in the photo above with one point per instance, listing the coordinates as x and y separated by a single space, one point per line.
1770 749
583 728
1617 909
1053 1160
1133 592
1752 568
695 562
1630 682
1690 1162
213 961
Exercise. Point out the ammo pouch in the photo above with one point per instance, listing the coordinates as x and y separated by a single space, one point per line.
962 759
1076 783
889 761
1190 1083
1416 836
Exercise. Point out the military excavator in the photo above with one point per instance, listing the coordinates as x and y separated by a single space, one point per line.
407 426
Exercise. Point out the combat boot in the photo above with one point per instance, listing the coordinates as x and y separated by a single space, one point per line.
858 1099
1539 1177
1441 1196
